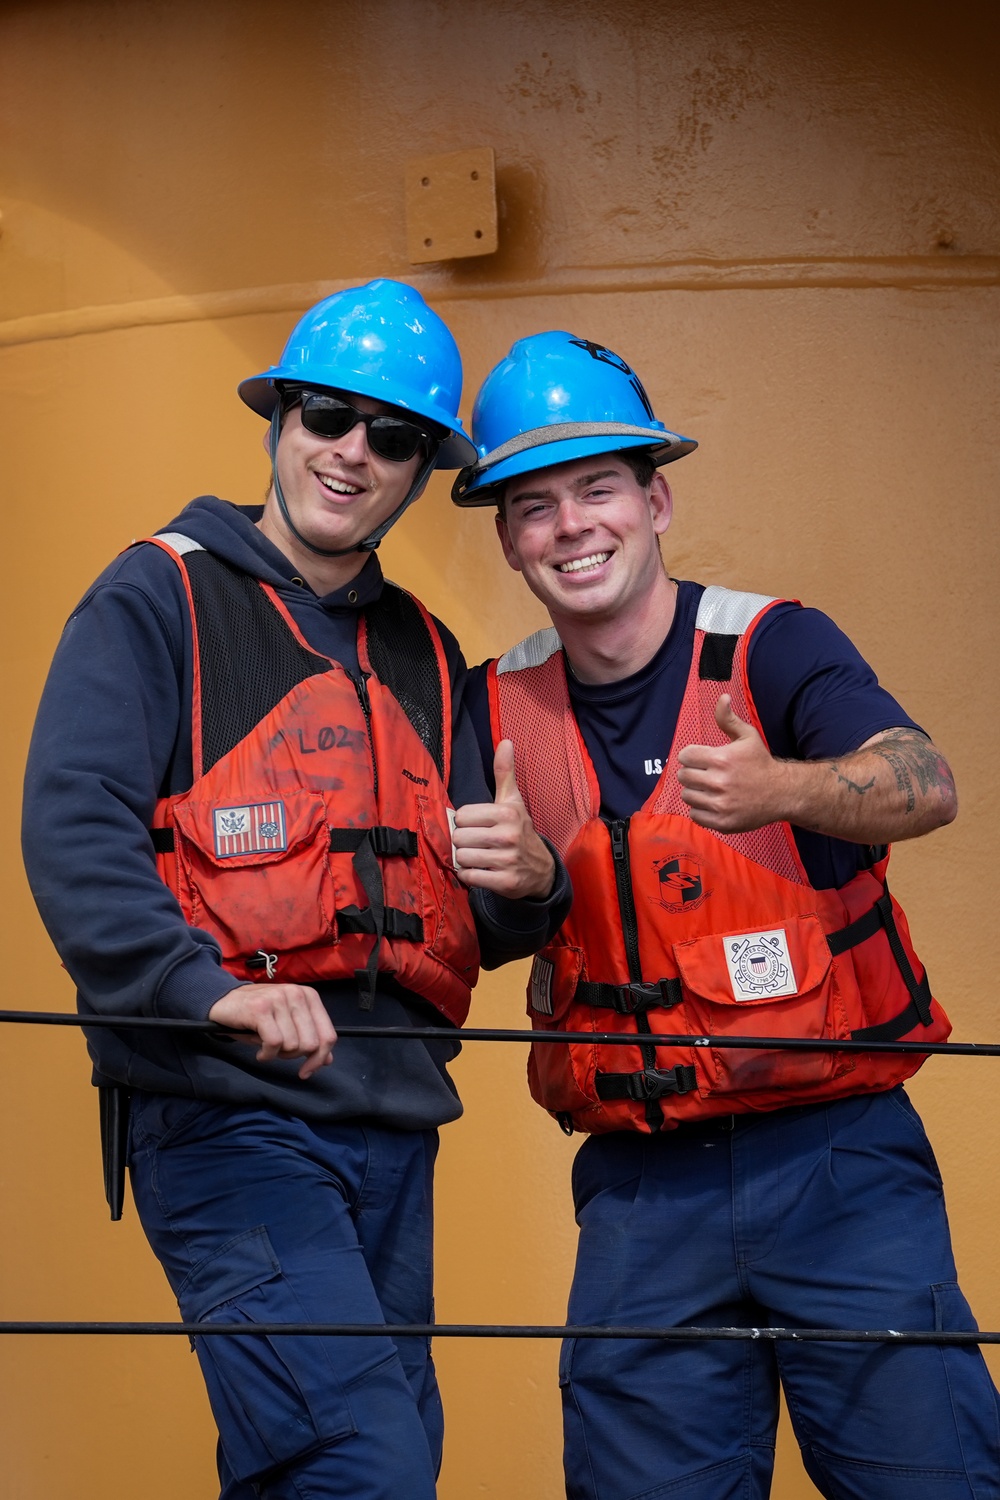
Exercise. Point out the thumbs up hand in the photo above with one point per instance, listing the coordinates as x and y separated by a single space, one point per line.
496 846
735 787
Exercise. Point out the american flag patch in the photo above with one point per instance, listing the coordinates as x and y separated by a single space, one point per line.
258 828
540 985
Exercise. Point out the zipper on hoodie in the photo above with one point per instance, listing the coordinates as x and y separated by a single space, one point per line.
618 833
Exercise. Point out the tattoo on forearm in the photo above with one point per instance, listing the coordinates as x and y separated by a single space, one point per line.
902 774
915 764
852 786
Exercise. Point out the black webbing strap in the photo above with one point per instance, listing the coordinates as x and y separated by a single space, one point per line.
863 927
651 1083
880 915
383 840
163 840
401 925
628 999
368 846
892 1030
367 869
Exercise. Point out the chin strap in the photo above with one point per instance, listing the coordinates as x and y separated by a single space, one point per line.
372 540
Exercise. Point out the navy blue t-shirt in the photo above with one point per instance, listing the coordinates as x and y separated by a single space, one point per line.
816 696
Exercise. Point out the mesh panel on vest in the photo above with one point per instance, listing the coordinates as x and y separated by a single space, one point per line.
769 846
535 714
250 659
404 660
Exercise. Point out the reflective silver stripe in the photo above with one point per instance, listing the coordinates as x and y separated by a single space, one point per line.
178 542
559 431
531 652
727 611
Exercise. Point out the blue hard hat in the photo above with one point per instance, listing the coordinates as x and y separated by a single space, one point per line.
379 340
556 397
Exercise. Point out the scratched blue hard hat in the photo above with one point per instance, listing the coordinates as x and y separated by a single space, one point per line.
379 340
556 397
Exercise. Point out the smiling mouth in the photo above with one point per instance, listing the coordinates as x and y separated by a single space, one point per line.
339 486
583 564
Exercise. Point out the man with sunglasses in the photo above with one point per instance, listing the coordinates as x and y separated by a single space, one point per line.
239 809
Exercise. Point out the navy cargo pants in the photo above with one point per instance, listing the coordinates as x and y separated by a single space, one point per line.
259 1217
829 1216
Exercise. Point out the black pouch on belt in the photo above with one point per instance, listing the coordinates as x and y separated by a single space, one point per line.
114 1105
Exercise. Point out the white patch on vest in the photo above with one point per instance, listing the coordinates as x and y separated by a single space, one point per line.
728 611
540 985
531 652
178 542
759 965
257 828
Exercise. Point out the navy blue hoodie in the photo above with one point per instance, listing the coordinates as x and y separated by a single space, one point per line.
113 735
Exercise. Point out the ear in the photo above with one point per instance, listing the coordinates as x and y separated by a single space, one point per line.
265 440
661 503
503 532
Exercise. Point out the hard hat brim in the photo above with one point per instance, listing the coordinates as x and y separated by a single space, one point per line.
456 451
664 447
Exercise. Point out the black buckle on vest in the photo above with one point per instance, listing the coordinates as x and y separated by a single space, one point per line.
368 846
662 992
650 1083
630 999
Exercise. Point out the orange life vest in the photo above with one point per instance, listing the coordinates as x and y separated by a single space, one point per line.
314 841
681 931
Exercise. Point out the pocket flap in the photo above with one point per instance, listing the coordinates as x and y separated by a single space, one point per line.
244 833
236 1267
756 967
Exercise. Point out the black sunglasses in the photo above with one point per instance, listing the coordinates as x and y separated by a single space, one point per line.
330 417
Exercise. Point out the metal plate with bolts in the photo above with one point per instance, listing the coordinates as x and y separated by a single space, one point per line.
451 206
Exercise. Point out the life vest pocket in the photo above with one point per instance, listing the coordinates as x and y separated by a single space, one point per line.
778 982
561 1075
257 874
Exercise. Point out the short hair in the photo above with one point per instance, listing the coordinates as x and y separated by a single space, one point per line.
639 460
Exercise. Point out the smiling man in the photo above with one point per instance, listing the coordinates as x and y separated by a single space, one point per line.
722 773
237 810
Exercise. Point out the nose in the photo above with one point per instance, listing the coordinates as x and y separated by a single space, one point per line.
572 518
353 446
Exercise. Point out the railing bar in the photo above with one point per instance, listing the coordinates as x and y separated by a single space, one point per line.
507 1330
495 1034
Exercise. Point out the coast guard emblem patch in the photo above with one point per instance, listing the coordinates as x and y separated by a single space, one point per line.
759 965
